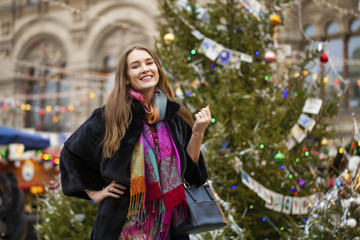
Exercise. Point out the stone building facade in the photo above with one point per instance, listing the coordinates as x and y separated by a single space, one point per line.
58 57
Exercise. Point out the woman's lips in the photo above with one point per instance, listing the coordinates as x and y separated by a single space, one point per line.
146 78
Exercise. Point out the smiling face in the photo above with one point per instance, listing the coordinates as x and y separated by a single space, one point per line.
142 72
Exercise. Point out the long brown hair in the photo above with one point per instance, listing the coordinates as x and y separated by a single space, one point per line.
117 113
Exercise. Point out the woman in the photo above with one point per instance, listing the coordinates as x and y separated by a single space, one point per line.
132 155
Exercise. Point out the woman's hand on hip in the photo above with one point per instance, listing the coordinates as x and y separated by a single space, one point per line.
203 119
114 190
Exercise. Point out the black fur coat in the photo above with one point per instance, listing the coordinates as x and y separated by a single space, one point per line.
82 166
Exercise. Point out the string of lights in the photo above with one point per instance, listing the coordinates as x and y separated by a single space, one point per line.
50 70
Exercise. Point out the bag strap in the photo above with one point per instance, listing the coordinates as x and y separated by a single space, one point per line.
206 186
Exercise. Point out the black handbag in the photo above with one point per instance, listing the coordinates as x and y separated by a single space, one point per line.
203 212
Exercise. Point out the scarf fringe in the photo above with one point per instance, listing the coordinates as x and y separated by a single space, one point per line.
136 205
154 219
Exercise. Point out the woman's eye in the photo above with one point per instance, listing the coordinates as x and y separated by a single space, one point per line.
134 66
149 63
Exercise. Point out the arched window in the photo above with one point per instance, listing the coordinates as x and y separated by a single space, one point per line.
41 84
109 63
355 25
354 69
332 28
334 49
354 47
309 31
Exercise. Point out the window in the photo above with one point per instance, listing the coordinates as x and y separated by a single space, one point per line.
109 63
334 49
354 70
355 25
309 31
354 47
43 87
332 28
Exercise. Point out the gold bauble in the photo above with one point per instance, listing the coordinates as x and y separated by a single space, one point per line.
275 19
324 141
169 38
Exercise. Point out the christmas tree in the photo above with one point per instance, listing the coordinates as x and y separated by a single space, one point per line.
64 217
336 212
263 148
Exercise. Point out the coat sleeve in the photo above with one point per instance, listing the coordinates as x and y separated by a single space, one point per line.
80 158
196 173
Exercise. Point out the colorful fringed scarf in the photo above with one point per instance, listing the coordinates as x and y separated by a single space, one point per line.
155 180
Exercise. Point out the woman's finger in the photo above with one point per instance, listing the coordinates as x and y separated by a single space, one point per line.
197 116
114 195
117 191
117 185
206 111
207 115
114 192
115 188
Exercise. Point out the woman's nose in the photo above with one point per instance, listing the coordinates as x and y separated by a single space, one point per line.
144 68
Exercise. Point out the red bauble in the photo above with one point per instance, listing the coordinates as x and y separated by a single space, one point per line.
331 181
324 58
269 56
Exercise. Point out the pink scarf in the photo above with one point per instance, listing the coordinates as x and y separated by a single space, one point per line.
155 180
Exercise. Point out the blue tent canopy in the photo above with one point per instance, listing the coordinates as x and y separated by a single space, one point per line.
31 141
